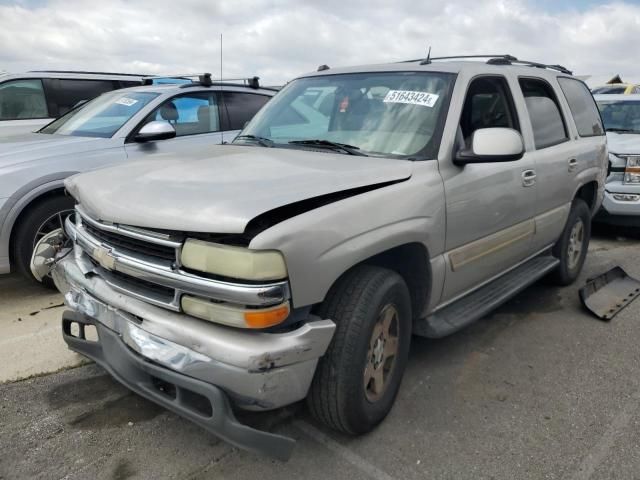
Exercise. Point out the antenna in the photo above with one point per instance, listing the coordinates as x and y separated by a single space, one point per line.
427 60
221 94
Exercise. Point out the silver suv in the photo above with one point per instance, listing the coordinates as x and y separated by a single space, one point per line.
116 127
360 206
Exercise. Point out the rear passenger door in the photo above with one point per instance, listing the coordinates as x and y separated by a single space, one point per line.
559 152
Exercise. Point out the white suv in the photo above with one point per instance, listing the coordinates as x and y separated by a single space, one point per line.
30 100
621 117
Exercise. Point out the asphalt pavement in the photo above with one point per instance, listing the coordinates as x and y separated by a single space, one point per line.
537 390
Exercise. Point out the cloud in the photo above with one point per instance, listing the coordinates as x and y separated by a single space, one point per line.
280 39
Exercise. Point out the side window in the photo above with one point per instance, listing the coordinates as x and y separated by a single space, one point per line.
65 94
129 83
488 104
582 106
22 99
241 107
190 114
544 112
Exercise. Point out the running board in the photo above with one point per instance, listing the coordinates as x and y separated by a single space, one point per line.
480 302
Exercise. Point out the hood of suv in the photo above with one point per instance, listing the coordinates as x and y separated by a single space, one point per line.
36 146
221 190
623 143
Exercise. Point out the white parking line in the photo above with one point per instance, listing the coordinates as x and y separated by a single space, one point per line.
604 445
351 457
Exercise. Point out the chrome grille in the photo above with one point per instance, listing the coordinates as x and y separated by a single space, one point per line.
145 264
131 245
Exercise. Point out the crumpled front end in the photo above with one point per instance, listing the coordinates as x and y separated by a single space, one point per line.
177 360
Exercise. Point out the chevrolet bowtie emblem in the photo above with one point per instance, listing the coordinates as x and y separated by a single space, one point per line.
103 257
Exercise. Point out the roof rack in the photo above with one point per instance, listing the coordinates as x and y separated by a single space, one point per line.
205 80
500 59
89 73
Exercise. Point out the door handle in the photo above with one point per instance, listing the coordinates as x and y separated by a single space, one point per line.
529 178
573 164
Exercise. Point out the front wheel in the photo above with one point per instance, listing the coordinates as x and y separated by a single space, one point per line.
358 378
41 219
571 248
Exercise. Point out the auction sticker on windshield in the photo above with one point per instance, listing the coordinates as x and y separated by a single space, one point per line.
410 97
126 101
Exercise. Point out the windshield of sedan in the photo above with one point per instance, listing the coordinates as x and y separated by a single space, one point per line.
102 116
393 114
622 116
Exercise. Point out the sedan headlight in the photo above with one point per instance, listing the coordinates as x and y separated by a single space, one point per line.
233 262
632 170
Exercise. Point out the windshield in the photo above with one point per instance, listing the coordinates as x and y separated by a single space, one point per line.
609 90
620 115
384 114
102 116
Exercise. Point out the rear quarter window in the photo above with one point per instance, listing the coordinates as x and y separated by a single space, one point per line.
582 106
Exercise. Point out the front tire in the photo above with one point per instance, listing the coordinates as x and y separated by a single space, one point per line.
358 378
40 219
571 248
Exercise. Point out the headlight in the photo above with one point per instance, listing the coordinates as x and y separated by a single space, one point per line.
632 170
234 316
233 262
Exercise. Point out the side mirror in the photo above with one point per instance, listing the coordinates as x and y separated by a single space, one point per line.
156 130
492 145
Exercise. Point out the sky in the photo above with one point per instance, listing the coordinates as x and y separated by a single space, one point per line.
281 39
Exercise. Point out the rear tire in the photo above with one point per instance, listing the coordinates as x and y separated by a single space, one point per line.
43 217
571 248
358 378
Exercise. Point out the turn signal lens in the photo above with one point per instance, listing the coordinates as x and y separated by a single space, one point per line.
266 318
234 316
632 170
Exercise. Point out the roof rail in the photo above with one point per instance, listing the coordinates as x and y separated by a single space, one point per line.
500 59
90 73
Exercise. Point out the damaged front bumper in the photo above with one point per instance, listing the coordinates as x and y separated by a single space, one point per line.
144 347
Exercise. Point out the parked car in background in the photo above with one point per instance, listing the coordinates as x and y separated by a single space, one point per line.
616 89
30 100
360 206
621 117
117 126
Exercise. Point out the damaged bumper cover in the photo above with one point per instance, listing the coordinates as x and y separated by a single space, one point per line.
139 342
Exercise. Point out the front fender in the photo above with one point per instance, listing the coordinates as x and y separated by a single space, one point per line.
322 244
20 199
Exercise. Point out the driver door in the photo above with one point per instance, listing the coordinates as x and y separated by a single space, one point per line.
490 206
195 118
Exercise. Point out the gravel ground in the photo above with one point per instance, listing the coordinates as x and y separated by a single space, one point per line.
537 390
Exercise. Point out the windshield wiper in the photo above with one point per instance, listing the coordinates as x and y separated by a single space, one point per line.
264 141
620 130
350 149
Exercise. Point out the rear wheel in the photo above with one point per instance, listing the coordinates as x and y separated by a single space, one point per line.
571 248
39 220
357 380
